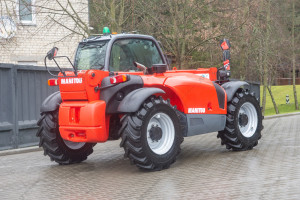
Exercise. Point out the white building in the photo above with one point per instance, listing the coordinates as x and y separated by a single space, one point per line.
30 28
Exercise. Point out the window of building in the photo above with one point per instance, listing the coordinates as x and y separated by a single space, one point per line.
26 11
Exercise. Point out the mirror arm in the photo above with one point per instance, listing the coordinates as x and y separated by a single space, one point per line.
45 61
59 67
75 70
51 55
140 66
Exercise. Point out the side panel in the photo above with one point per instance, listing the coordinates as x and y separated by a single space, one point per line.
199 124
197 94
209 73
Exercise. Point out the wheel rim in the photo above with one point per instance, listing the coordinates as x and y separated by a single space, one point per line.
74 145
163 144
247 119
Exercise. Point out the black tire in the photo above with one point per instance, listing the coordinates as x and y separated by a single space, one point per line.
232 136
134 135
53 144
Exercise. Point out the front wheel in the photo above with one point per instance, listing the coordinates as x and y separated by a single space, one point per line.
151 137
243 122
60 150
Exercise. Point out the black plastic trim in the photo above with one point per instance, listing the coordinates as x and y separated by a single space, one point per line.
51 103
111 94
205 123
231 88
133 101
221 95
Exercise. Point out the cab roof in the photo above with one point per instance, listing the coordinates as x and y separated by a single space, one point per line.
95 38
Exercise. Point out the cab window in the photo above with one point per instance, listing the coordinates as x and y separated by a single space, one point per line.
126 51
91 55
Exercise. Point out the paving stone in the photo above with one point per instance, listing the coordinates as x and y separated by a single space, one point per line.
204 170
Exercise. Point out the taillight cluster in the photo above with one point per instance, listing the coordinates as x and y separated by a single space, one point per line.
52 82
119 79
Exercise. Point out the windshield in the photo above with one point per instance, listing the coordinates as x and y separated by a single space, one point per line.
127 51
91 55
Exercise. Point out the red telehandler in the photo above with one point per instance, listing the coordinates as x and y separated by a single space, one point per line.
121 87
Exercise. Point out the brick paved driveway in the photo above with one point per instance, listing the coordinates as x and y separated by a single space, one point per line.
204 170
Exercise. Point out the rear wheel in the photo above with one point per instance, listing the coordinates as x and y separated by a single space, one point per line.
60 150
243 122
151 137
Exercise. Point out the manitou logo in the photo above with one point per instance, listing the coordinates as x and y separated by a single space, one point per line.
196 110
71 80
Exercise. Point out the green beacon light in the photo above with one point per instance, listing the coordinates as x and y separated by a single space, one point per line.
106 31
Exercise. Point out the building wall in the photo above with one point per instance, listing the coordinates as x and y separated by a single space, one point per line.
32 41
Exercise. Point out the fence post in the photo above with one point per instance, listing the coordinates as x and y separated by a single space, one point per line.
15 138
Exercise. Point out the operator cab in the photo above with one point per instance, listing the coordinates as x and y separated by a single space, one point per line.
119 52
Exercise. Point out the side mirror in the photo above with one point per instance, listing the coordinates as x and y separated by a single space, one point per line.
158 68
52 53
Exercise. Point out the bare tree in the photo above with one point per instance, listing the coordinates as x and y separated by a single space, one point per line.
113 13
294 55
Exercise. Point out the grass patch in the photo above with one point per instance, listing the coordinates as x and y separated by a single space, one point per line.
279 93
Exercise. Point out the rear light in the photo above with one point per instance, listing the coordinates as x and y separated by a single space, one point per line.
52 82
119 79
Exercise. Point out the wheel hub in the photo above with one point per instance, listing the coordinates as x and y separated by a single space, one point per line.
155 133
247 119
74 145
243 120
160 133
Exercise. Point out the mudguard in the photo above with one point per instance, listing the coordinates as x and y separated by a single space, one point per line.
51 103
232 87
133 101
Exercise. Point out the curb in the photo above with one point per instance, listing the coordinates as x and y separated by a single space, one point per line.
21 150
281 115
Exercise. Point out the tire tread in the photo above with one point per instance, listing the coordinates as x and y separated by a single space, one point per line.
131 137
230 135
52 142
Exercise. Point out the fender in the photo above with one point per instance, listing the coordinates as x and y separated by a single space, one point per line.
133 101
232 87
51 103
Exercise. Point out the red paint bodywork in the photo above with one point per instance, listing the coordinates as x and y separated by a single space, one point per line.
82 115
